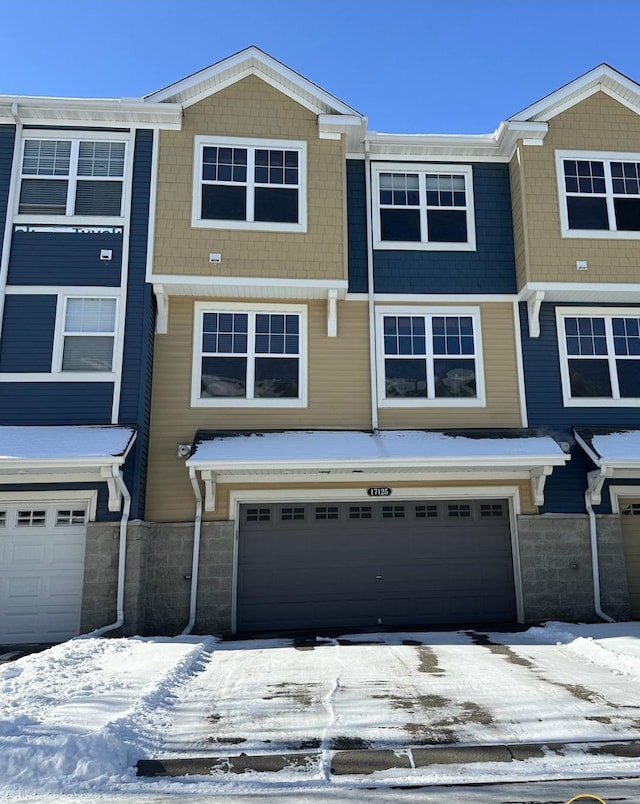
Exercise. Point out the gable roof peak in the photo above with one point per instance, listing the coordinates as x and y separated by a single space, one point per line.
603 78
251 61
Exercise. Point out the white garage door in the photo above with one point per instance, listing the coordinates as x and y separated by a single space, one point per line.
41 571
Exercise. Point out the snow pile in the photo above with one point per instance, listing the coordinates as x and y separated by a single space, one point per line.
614 646
79 715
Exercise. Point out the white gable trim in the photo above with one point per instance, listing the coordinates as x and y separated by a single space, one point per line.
251 61
601 79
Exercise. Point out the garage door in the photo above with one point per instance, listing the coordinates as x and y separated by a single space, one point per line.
407 563
630 510
41 571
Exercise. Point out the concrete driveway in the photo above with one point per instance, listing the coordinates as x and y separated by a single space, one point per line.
395 690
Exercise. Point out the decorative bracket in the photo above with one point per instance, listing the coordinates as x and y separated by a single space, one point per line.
209 479
332 313
533 308
115 496
595 482
162 302
538 479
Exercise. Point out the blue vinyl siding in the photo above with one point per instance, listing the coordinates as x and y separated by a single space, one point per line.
7 140
56 402
27 333
564 490
135 397
64 258
489 269
357 226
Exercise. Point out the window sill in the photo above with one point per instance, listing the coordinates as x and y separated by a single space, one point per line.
598 234
71 220
249 226
601 402
235 402
401 245
443 402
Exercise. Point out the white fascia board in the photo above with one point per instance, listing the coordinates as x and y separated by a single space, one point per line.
333 126
523 463
251 61
249 287
595 292
435 298
434 147
86 112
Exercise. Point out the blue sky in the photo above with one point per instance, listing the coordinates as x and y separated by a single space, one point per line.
411 66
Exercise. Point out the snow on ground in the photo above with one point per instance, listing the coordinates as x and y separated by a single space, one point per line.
75 719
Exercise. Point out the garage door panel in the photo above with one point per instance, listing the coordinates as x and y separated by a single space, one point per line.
41 573
379 563
630 510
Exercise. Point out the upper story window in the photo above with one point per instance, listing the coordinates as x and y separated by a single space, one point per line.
72 177
599 194
600 356
423 207
431 357
88 334
250 184
249 355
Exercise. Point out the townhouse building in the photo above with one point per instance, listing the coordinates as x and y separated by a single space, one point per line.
272 370
338 354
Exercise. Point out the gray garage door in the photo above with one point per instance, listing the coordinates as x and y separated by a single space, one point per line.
345 564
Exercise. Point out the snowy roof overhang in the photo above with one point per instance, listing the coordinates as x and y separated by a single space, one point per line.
616 453
64 454
336 455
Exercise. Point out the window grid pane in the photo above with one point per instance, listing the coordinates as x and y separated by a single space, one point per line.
90 316
258 515
399 189
224 164
32 519
225 333
46 158
70 517
290 514
584 176
104 159
445 190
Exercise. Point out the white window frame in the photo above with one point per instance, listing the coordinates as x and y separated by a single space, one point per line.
76 138
608 313
251 144
240 402
60 334
436 402
592 156
423 169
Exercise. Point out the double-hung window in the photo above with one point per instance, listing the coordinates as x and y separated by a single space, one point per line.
249 356
423 207
72 177
431 358
88 331
600 356
250 184
599 194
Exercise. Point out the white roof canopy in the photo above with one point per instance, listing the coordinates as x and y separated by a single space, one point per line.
63 454
329 455
615 453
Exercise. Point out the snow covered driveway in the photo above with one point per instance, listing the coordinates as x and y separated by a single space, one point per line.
77 717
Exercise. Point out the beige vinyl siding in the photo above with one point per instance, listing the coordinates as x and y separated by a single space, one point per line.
339 397
224 490
501 383
598 123
250 108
